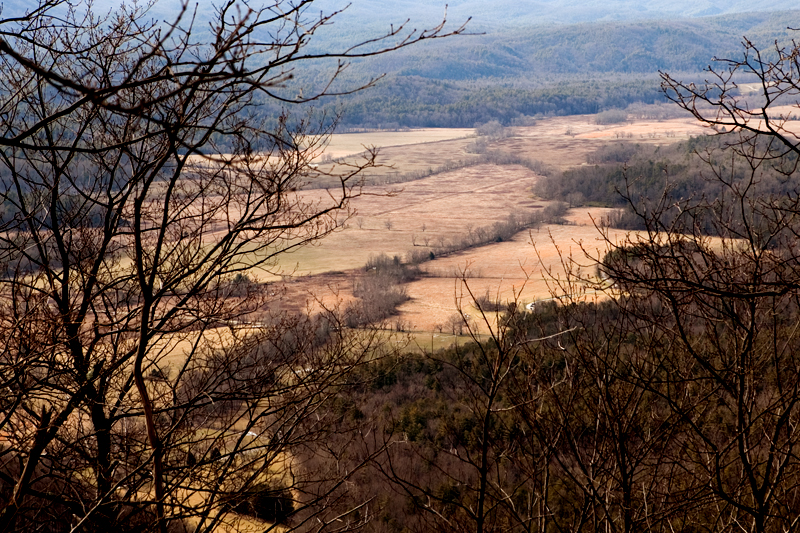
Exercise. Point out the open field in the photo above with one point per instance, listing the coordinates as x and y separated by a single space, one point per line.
519 270
449 203
400 152
345 144
564 142
399 163
424 214
394 219
426 211
558 141
513 270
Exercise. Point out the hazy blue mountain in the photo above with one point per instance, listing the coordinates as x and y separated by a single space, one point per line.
525 57
486 14
540 53
367 18
562 69
496 14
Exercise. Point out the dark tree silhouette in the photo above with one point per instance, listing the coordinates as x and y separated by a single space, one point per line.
145 384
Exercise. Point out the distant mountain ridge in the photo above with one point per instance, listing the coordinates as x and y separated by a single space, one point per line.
494 14
486 14
537 53
561 69
525 58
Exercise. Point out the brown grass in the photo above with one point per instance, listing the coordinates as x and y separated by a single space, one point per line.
448 205
523 270
390 219
346 144
549 141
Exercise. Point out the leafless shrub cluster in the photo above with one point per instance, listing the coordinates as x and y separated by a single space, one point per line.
486 133
379 290
486 304
611 116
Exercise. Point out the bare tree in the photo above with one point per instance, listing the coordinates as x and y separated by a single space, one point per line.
710 293
458 454
145 383
759 116
720 316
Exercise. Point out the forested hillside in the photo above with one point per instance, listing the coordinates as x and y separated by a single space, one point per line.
541 53
545 69
519 58
509 13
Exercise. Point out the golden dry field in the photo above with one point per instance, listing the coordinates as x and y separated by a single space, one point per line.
425 213
524 270
562 142
346 144
565 142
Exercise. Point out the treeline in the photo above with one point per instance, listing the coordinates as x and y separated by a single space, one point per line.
641 177
497 232
379 290
540 70
597 423
412 101
626 170
483 157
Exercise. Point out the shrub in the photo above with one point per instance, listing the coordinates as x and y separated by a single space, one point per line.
611 116
265 502
487 305
492 130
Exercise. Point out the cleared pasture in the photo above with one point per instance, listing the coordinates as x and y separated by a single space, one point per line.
421 214
347 144
424 214
564 142
522 270
558 141
394 219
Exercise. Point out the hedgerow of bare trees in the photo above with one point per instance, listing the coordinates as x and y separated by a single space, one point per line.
145 385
